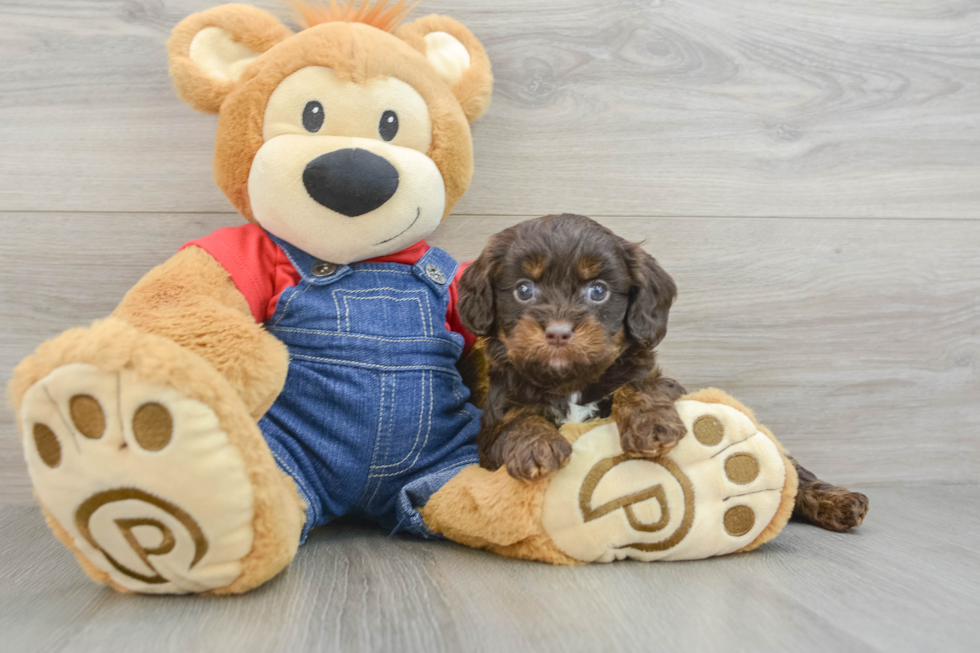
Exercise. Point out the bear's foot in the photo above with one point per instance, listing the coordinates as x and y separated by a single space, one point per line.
717 492
143 479
149 467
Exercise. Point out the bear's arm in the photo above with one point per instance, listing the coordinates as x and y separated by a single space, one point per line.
193 300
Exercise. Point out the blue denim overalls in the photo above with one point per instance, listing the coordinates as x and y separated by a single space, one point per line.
374 417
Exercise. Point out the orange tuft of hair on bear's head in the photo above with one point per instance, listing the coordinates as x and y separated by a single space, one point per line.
375 13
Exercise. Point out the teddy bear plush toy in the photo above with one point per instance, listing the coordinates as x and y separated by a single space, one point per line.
272 377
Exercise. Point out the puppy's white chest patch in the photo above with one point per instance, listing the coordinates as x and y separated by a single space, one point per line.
578 412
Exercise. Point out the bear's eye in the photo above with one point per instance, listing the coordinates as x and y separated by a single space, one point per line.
313 116
524 291
388 126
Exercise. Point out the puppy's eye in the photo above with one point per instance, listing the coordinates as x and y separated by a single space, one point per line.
598 292
313 116
388 126
524 291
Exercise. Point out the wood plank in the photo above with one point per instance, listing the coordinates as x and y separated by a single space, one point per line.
353 589
732 108
855 341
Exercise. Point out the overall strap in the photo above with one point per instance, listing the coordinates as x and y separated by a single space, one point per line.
310 268
436 269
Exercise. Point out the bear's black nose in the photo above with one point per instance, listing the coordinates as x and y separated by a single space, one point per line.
352 182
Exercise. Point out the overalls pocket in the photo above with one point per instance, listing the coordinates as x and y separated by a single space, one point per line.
404 423
373 311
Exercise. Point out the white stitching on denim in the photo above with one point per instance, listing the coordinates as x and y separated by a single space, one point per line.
464 463
289 301
391 423
428 432
425 322
456 392
377 442
391 419
426 314
381 416
382 270
418 291
428 428
293 473
300 483
418 433
459 397
461 463
336 306
426 318
433 368
422 292
440 341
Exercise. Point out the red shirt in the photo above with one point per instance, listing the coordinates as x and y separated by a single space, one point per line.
261 270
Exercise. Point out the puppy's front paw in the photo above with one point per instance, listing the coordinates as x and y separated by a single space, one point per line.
535 451
649 433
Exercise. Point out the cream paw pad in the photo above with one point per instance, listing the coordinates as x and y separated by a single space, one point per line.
143 479
714 493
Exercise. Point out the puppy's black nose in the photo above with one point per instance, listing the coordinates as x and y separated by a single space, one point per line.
351 181
558 334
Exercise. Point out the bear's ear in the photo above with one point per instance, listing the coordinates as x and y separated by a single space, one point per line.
208 51
456 56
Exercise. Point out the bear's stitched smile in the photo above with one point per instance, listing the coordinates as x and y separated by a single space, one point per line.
418 212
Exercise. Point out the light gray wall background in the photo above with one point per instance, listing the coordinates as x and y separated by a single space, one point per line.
809 172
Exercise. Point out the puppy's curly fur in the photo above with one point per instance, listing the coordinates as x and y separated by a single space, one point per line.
571 314
541 273
827 506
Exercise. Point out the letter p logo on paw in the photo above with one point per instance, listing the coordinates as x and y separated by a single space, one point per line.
605 506
126 542
712 495
143 479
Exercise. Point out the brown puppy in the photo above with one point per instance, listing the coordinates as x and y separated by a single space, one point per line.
571 314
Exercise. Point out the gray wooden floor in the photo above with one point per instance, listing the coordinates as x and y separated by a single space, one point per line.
907 581
807 170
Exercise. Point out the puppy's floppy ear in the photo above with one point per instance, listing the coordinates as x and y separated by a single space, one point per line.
209 50
458 58
477 308
651 295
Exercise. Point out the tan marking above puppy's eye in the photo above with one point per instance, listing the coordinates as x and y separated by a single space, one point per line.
588 266
534 266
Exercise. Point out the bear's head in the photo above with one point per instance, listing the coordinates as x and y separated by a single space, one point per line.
349 139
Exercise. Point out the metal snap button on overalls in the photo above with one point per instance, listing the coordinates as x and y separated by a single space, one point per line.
433 272
323 269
